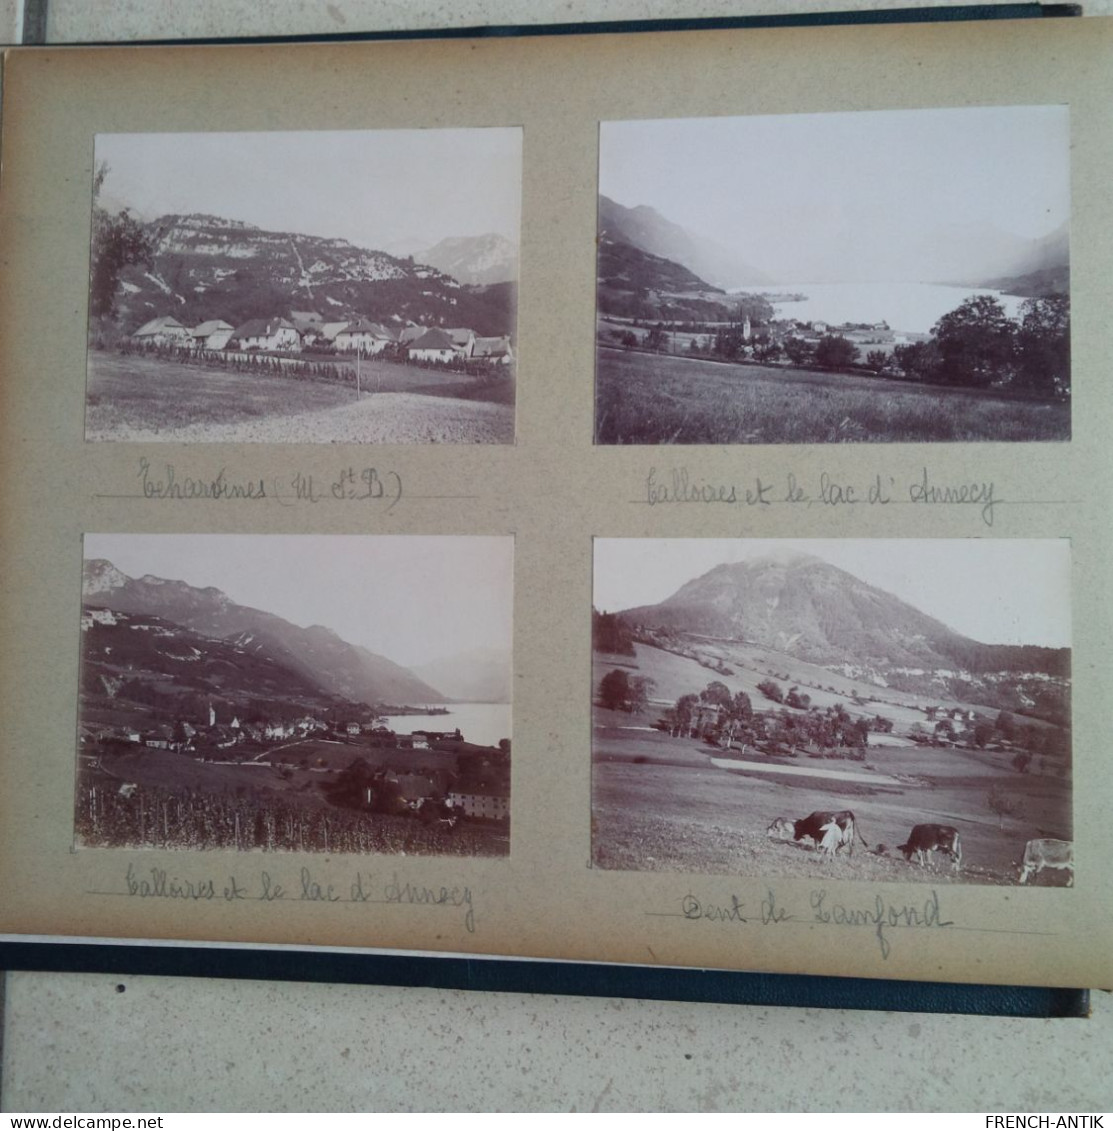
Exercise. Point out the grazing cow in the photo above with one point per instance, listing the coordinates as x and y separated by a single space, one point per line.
1047 853
925 839
817 827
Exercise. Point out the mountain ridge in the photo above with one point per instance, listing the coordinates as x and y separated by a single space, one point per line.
824 614
316 653
206 267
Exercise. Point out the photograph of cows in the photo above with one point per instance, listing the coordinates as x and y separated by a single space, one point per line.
889 276
325 693
305 287
876 710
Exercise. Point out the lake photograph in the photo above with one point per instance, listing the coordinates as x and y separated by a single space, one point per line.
302 693
881 276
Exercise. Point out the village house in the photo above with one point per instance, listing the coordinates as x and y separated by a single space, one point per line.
433 345
329 330
365 337
211 335
463 340
409 334
306 320
165 331
476 799
267 334
497 350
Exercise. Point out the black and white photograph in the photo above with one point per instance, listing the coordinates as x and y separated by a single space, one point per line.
875 276
875 710
305 287
326 693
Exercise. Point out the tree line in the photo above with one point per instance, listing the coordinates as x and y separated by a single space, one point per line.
976 345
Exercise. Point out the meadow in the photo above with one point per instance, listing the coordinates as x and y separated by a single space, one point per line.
151 398
645 398
660 804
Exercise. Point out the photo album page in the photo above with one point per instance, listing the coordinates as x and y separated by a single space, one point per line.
636 497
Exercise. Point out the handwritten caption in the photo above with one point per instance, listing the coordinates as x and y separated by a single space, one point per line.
677 486
306 887
349 485
880 914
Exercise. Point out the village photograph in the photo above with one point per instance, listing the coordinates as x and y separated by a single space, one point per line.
305 287
874 710
325 693
889 276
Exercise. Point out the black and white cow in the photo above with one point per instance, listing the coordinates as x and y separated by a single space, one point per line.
829 831
926 839
1047 853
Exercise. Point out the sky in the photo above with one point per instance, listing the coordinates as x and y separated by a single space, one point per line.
997 591
410 598
794 194
379 189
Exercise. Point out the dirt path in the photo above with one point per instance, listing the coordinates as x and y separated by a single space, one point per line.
384 418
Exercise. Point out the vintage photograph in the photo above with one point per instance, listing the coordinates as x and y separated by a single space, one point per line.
876 710
888 276
324 693
305 287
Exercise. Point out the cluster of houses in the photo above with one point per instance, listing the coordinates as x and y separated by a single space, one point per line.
484 795
307 330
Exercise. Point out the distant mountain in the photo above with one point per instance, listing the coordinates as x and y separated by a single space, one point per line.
624 267
481 675
1042 269
810 609
142 665
474 259
1036 284
207 267
974 254
645 228
317 655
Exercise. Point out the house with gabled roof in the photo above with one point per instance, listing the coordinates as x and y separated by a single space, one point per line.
433 345
269 334
364 337
164 331
493 349
211 335
329 330
484 799
463 339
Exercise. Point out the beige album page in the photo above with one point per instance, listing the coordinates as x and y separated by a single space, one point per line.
633 497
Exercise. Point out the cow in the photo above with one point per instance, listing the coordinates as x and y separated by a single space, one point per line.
816 826
925 839
1047 853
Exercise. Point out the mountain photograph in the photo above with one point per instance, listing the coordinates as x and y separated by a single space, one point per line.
878 277
254 692
743 685
238 294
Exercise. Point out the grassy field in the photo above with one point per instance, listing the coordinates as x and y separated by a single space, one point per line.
658 803
139 398
643 398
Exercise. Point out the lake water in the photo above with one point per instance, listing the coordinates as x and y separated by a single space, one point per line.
482 723
914 307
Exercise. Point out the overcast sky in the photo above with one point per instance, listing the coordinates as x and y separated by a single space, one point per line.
410 598
380 189
998 591
794 193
